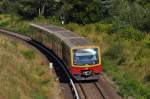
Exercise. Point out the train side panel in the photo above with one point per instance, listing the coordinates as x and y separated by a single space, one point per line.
66 55
63 48
55 44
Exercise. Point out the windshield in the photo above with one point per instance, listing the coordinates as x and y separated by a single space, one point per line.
86 56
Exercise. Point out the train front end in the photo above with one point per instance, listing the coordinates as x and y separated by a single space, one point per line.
86 63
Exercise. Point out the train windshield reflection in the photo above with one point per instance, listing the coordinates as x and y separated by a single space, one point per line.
86 56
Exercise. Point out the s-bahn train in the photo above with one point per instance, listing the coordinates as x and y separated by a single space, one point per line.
82 58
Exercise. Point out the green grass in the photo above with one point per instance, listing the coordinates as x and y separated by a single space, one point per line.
24 74
17 24
126 56
28 54
125 51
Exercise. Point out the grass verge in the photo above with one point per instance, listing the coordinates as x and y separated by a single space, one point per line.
125 52
126 56
24 73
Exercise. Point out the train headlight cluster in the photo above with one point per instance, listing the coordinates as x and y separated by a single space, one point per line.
87 72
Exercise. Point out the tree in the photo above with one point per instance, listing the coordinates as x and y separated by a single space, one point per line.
32 8
6 6
130 12
87 11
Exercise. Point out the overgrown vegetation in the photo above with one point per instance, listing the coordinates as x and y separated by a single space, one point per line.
24 74
122 13
120 27
125 58
125 52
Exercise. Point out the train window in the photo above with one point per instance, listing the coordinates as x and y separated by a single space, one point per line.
86 56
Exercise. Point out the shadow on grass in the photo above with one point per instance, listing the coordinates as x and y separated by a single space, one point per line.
51 57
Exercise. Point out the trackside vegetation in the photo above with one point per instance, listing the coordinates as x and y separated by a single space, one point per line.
24 73
125 56
125 52
120 27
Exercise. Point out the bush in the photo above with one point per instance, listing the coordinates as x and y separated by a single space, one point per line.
89 28
73 27
5 20
116 53
132 33
54 20
103 28
146 41
23 28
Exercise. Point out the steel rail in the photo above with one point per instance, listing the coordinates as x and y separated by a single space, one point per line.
74 89
70 79
101 90
105 94
88 93
83 92
26 38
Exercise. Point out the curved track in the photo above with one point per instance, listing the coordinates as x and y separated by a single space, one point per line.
80 90
67 85
88 90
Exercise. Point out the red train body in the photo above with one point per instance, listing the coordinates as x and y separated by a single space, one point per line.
81 57
92 73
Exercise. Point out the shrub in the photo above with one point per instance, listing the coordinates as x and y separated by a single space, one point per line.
47 20
23 28
54 20
132 33
116 53
103 28
89 28
146 41
73 26
4 20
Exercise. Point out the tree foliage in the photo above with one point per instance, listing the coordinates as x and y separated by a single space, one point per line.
132 12
122 12
86 11
33 8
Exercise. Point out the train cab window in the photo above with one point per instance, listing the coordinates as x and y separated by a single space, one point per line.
85 56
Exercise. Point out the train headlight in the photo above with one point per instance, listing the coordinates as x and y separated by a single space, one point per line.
87 73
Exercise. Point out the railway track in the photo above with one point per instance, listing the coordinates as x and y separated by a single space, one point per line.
71 90
86 90
96 90
67 84
91 90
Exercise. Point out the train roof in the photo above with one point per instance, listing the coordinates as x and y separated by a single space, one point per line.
68 37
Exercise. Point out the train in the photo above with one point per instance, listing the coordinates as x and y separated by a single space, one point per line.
81 57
